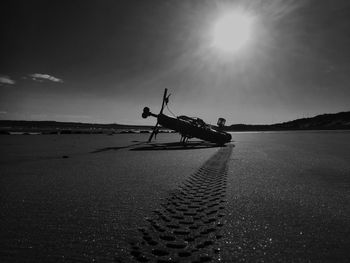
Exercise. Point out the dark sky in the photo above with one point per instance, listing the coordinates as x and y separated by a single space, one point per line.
103 61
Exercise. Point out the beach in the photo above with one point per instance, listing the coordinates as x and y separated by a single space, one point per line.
266 196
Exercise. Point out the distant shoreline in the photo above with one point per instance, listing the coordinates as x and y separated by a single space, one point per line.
336 121
15 133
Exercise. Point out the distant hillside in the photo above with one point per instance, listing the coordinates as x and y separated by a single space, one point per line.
58 124
63 127
336 121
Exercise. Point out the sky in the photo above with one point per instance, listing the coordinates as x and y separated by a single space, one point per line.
103 61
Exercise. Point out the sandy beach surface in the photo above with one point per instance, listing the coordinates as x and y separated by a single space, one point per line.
265 197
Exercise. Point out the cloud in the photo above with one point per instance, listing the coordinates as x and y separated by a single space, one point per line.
41 77
6 80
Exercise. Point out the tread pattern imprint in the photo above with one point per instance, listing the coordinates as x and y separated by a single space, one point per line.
189 222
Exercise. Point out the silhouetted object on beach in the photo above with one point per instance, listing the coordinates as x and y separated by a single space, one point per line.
221 122
188 127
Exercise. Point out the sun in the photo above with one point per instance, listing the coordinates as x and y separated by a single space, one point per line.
232 31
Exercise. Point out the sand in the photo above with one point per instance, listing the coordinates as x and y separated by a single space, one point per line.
266 196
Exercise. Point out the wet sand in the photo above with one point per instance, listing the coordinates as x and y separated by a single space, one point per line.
265 197
289 198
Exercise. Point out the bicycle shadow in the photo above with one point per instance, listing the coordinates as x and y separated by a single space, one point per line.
192 145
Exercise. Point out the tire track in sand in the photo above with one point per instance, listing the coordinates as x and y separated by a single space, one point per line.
187 226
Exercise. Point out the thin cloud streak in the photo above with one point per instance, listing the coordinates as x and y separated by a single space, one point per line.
41 77
6 80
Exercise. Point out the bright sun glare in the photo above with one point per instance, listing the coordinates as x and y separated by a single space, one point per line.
232 31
